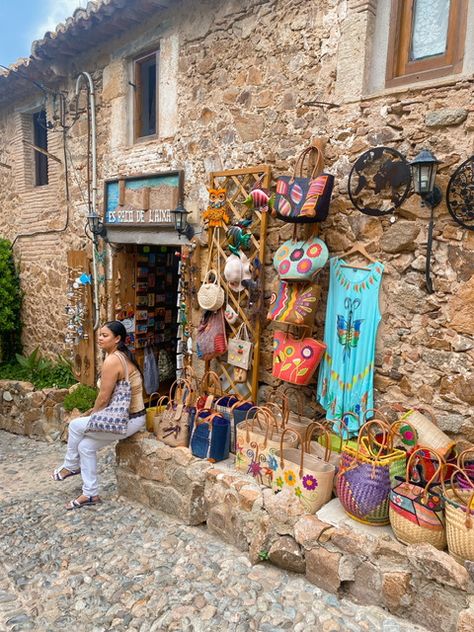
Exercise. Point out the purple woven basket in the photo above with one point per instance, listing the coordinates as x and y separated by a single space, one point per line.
364 489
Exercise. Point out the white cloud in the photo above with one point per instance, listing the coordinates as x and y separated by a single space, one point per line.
56 11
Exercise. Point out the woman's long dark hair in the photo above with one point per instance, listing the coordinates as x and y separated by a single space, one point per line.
118 329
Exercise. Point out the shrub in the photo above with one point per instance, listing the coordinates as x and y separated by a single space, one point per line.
10 304
82 398
40 371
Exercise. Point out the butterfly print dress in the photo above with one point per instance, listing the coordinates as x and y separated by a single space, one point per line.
346 375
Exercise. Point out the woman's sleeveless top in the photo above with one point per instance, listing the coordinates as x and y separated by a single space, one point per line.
346 375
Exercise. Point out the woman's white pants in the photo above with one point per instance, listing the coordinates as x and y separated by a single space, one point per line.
82 448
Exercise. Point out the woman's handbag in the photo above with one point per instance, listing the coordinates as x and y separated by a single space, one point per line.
173 426
294 303
308 477
114 417
258 441
240 348
151 411
211 338
294 360
365 475
300 260
210 295
417 510
303 199
459 512
210 437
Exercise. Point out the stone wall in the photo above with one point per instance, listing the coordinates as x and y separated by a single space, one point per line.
239 76
36 414
366 565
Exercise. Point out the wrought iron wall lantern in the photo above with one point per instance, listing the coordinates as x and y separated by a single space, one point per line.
96 226
180 216
423 170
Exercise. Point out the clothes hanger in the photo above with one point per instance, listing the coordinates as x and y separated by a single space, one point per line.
358 248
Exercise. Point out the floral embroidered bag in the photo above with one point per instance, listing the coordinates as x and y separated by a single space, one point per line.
114 417
307 476
294 360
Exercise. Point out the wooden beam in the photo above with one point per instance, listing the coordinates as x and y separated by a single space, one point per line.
43 151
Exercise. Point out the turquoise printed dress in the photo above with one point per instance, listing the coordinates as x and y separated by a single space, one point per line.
346 375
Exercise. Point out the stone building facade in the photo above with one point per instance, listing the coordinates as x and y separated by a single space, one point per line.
237 84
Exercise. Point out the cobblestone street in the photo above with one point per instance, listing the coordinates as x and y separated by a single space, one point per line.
119 566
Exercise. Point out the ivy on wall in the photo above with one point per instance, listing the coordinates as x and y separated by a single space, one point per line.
10 304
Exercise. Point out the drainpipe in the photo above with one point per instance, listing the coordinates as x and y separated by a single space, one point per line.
85 77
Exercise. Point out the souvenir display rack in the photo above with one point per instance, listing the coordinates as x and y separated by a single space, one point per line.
238 184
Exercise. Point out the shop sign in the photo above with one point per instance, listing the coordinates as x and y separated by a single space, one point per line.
143 201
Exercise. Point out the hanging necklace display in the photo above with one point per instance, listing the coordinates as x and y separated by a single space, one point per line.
379 182
460 194
76 310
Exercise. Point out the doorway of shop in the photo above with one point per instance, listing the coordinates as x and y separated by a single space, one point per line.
146 299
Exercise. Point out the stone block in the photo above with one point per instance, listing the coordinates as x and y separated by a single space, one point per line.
437 565
465 621
367 585
352 542
400 237
130 486
310 532
434 607
445 117
322 569
250 499
285 553
284 510
396 590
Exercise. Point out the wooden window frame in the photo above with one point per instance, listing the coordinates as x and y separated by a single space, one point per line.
400 70
40 159
137 103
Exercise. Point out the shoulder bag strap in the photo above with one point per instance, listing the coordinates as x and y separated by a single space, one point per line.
124 364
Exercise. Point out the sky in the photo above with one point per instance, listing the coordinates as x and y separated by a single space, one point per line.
22 21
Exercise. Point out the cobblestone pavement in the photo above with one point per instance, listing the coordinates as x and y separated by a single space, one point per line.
118 566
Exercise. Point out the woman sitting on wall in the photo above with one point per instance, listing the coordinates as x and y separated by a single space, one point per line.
118 412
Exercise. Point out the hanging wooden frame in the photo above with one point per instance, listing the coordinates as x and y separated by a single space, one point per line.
238 184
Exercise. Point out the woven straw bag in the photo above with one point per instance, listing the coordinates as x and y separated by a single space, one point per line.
459 508
425 431
210 295
151 411
295 420
307 476
258 440
173 425
365 475
417 510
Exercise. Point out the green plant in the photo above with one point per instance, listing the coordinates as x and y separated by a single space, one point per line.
40 371
82 398
263 555
10 304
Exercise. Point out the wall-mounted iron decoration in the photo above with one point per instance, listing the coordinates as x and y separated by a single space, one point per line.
379 181
460 194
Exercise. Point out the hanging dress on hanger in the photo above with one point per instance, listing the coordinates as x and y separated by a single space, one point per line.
346 375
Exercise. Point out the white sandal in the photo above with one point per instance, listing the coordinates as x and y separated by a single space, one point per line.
56 475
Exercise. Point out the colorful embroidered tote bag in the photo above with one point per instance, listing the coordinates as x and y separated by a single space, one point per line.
258 441
308 477
304 198
114 417
173 426
240 348
294 360
300 260
294 303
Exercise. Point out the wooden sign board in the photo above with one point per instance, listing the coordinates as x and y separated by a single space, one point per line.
143 201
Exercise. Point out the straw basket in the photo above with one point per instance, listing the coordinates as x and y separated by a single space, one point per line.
428 435
365 475
153 411
416 511
460 518
306 476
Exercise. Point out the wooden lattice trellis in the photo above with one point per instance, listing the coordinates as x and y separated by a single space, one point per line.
238 184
